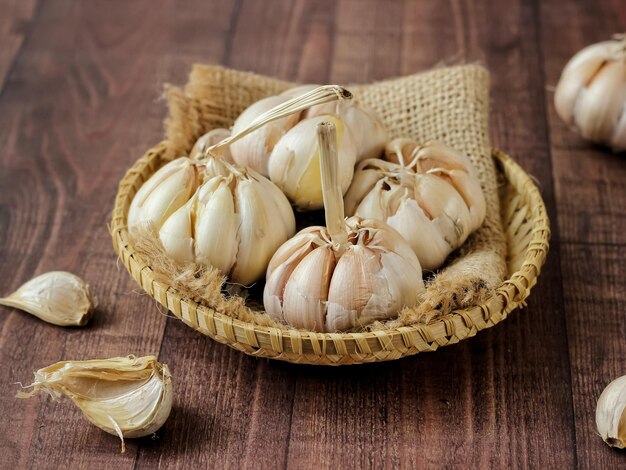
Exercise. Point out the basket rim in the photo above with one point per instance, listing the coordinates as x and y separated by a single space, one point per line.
355 347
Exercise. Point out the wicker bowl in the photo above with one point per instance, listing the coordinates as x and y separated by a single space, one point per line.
527 231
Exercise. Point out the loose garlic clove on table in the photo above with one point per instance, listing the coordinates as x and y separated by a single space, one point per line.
611 413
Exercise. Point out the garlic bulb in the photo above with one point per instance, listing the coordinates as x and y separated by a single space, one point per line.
432 197
295 162
254 149
611 413
235 222
212 137
591 93
345 275
57 297
165 192
124 396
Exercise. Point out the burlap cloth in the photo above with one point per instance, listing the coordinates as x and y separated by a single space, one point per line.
449 104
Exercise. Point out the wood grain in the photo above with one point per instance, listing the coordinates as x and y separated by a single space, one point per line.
80 103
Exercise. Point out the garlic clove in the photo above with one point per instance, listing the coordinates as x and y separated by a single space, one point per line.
164 193
277 204
294 165
56 297
362 183
306 292
254 149
611 413
176 234
211 138
124 396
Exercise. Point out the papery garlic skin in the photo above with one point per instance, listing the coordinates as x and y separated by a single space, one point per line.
611 413
294 165
164 192
235 222
313 286
211 138
56 297
124 396
434 199
591 93
254 150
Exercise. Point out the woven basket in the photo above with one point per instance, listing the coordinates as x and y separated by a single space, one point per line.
527 230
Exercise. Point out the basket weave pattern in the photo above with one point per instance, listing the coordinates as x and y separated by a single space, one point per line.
527 231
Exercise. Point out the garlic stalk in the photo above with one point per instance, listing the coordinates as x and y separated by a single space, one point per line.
56 297
611 413
124 396
429 193
591 93
345 275
211 138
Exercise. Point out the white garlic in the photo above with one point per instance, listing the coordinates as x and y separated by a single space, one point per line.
611 413
591 93
234 222
432 197
164 192
345 275
124 396
254 149
57 297
294 165
209 139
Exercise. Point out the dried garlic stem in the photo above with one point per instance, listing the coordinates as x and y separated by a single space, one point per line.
320 95
331 190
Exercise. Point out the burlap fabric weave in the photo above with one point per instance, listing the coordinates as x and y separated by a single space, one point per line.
448 104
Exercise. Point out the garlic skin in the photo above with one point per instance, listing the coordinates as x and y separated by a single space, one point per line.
124 396
314 285
164 192
254 149
211 138
294 165
432 197
235 222
591 93
56 297
611 413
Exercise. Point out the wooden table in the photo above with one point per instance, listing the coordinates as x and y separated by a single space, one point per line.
80 86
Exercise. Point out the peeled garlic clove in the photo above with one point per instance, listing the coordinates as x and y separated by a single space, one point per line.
368 131
211 138
254 150
294 165
165 192
124 396
611 413
57 297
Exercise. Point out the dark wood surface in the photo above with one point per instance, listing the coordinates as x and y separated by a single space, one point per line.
80 84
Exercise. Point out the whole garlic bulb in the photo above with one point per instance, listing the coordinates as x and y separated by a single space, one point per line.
430 194
235 222
611 413
254 149
591 93
209 139
345 275
294 165
124 396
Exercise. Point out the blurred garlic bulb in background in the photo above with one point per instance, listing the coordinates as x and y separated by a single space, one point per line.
207 140
429 193
295 162
254 149
611 413
345 275
235 222
591 93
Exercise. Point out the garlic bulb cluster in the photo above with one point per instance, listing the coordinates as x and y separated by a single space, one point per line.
429 193
56 297
591 93
286 149
124 396
611 413
345 275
